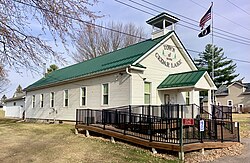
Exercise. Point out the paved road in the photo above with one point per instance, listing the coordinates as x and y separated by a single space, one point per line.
244 158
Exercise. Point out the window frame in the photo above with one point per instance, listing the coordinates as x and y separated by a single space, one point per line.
232 104
81 97
33 101
108 94
147 93
64 98
50 101
41 100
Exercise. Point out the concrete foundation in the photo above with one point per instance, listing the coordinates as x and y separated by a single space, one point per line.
112 140
202 151
154 151
181 156
87 133
76 131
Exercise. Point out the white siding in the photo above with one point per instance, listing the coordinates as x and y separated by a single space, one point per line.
119 95
18 103
155 73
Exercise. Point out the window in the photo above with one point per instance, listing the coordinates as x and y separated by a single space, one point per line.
14 103
105 94
229 103
66 97
147 92
83 96
33 101
52 99
41 100
187 98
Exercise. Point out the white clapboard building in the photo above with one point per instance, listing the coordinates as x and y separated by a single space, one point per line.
153 72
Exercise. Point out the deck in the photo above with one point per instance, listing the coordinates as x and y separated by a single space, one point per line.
152 144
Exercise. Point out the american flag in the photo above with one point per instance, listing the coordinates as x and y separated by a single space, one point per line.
206 17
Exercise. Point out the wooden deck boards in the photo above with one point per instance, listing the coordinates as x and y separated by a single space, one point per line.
117 133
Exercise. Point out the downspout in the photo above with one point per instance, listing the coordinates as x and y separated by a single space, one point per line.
128 71
130 85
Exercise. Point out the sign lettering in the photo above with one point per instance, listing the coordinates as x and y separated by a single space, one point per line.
168 57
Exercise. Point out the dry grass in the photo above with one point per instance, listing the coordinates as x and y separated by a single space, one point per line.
2 113
244 120
33 142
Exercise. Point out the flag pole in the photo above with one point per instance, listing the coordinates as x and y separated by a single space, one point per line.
213 49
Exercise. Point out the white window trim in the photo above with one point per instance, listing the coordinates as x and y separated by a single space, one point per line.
41 100
81 96
33 101
50 99
231 102
240 104
108 94
65 98
151 88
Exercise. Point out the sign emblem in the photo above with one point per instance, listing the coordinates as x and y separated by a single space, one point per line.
168 57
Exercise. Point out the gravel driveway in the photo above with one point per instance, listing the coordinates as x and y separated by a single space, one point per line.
244 158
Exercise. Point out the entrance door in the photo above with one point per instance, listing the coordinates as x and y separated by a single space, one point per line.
166 99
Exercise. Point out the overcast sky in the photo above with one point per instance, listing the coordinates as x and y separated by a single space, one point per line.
233 18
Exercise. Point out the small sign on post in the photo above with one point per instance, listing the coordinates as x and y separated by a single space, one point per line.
202 125
188 121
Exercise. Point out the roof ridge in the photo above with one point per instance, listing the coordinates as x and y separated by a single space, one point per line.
108 53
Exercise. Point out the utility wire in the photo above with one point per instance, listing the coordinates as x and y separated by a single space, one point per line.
85 22
238 7
152 4
221 16
240 42
193 19
77 19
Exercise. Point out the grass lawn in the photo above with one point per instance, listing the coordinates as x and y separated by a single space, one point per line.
244 120
33 142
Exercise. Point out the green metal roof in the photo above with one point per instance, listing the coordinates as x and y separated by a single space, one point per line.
182 79
113 60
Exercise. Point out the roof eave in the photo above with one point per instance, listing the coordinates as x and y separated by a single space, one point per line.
99 73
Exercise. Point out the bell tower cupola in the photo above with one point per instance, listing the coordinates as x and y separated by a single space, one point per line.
162 24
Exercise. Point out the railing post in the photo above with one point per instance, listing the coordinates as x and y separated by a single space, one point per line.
103 119
116 117
181 137
161 111
130 117
87 117
238 131
221 128
124 120
150 129
77 118
192 111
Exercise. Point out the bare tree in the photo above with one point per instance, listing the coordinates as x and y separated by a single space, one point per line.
4 82
21 47
94 41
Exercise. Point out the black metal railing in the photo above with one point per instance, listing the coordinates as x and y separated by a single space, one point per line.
146 123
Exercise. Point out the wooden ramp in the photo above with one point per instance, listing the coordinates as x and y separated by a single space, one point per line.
153 144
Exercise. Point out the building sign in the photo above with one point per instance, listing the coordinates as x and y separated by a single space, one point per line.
188 122
167 57
202 125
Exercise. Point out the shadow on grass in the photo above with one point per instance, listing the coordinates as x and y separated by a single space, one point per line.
8 121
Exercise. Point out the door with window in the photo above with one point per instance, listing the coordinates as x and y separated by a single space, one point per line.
166 99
